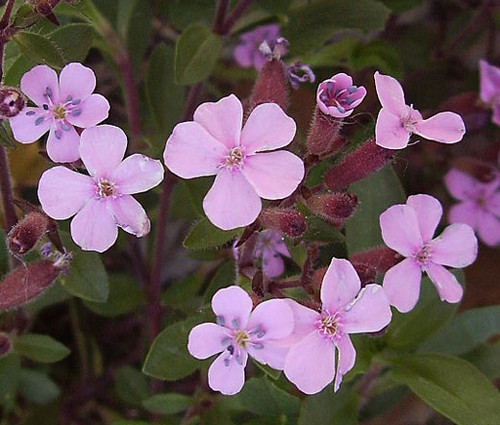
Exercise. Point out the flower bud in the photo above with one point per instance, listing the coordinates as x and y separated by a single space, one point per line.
26 233
271 85
324 138
289 222
335 208
45 9
11 102
361 162
366 272
338 96
5 344
381 258
300 73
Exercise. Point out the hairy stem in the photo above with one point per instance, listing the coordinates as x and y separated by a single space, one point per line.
235 15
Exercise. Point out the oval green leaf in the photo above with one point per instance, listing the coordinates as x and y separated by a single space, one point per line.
41 348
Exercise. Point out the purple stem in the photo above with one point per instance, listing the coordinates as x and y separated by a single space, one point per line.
235 15
220 16
6 190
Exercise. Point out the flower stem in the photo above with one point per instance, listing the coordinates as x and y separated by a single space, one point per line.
6 191
220 16
235 15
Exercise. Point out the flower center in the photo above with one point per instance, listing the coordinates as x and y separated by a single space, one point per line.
105 188
423 255
241 338
342 99
235 158
59 112
328 325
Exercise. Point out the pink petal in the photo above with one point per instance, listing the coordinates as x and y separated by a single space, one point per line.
231 202
76 81
34 84
102 149
461 185
272 353
232 306
496 114
222 119
130 215
493 204
24 128
89 112
137 173
389 131
94 227
243 55
62 192
488 228
489 81
64 148
273 317
446 283
272 264
304 320
205 340
464 212
274 175
192 152
455 247
228 379
402 284
267 128
390 94
400 229
347 357
445 127
340 285
429 212
310 364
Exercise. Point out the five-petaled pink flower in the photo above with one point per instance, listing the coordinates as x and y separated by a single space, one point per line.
479 206
397 121
240 332
215 143
338 97
310 362
102 200
61 106
270 248
489 88
408 229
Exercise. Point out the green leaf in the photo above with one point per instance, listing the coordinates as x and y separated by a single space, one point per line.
329 408
224 277
379 55
184 13
398 6
39 48
269 371
465 331
274 6
37 387
41 348
18 67
196 53
6 138
10 368
452 386
187 198
4 254
311 25
74 40
321 231
375 193
131 385
486 358
167 404
205 235
183 292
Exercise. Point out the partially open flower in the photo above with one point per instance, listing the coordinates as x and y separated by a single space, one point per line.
338 96
11 102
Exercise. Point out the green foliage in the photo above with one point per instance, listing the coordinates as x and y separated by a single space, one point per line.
73 40
131 385
398 6
167 404
205 235
10 369
6 138
37 387
225 276
41 348
183 13
187 198
39 48
486 357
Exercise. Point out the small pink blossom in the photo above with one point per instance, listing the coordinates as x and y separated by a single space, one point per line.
102 200
270 248
61 105
346 309
338 97
215 144
397 121
489 87
240 332
479 206
408 229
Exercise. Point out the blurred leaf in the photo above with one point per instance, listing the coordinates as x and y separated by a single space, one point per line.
17 68
278 7
183 291
4 255
25 16
126 422
41 348
375 193
74 41
398 6
224 277
10 368
196 53
184 13
131 385
465 331
6 138
329 408
452 386
39 48
37 387
335 54
205 235
379 55
168 404
321 231
486 357
269 371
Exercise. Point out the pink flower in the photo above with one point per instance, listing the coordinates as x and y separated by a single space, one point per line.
270 248
310 362
489 87
397 121
408 229
479 206
338 97
240 332
102 200
61 106
215 143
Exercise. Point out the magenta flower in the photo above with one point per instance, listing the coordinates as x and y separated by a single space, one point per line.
61 106
215 144
270 248
310 362
338 97
489 87
396 121
479 206
240 332
408 229
102 200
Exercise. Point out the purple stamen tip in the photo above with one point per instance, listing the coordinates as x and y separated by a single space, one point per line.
30 113
65 127
45 107
76 102
352 89
76 112
39 120
58 134
340 109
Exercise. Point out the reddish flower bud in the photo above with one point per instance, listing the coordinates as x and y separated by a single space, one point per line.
358 164
324 138
335 208
5 344
45 9
366 272
289 222
11 102
381 258
271 85
27 232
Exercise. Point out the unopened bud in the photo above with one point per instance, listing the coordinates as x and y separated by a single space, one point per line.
27 232
335 208
45 9
11 102
356 165
271 85
299 73
381 258
5 344
324 139
289 222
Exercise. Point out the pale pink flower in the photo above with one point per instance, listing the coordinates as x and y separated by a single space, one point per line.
62 105
270 249
215 144
102 200
479 206
408 229
241 332
338 97
489 88
397 121
346 309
